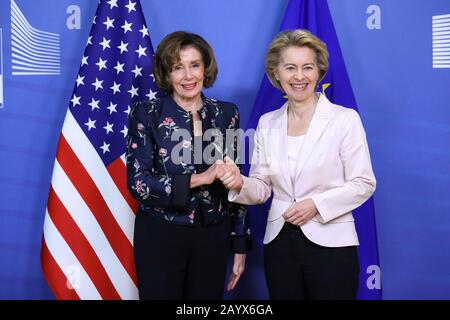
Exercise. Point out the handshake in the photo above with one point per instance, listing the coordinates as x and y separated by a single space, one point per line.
228 173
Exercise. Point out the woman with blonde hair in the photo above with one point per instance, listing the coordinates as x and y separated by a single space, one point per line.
312 155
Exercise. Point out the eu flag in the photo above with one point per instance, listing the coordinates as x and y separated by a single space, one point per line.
314 15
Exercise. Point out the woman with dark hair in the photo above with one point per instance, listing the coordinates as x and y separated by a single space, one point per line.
185 226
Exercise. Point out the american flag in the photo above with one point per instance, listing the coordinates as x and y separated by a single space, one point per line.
87 247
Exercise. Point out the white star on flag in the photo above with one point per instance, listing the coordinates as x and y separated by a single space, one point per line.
108 127
75 100
112 107
115 87
124 131
80 80
133 91
105 43
151 94
137 71
97 84
90 124
144 31
123 46
105 147
94 104
84 61
126 27
109 23
141 51
101 64
113 3
131 6
119 67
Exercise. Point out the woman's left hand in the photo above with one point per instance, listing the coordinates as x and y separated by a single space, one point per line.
301 212
238 269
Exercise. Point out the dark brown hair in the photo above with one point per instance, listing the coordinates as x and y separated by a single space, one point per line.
168 53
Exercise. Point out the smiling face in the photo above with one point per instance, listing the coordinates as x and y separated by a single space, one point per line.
187 75
298 73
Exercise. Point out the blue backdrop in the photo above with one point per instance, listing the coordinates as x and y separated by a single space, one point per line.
404 103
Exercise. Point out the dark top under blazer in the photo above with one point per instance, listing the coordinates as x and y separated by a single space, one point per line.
163 187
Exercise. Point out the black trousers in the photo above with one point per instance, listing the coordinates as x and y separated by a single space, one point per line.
297 268
176 262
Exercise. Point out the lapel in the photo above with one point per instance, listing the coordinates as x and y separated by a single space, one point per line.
319 122
278 137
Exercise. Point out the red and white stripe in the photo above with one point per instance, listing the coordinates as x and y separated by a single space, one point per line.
87 250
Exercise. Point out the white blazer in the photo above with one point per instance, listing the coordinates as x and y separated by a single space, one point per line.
333 169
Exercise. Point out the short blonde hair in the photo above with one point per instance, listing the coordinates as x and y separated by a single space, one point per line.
168 53
295 38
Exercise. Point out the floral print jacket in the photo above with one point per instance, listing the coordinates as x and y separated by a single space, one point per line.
162 153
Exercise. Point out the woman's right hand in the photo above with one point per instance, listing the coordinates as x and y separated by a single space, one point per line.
215 171
232 179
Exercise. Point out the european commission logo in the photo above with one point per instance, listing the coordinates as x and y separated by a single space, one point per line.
33 51
441 41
